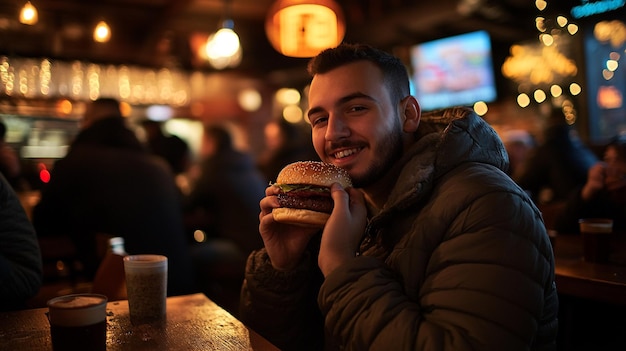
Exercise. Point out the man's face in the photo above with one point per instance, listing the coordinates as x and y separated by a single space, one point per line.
354 123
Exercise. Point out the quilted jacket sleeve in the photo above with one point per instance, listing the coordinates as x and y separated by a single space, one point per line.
281 305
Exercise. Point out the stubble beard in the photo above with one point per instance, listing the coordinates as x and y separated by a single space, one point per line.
388 151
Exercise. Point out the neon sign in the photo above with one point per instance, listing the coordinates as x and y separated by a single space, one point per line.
589 8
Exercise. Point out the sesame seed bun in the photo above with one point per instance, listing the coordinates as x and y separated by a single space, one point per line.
313 173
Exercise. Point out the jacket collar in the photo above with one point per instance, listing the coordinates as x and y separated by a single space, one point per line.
445 139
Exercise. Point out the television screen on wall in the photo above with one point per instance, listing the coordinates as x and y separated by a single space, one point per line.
453 71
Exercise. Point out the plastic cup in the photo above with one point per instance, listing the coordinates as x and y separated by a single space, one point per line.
146 285
78 322
596 236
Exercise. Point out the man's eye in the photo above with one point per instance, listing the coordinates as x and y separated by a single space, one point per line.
318 120
357 108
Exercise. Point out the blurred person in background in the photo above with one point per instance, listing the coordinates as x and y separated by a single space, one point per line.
519 144
10 165
604 193
434 247
108 183
171 147
284 143
221 211
20 257
558 164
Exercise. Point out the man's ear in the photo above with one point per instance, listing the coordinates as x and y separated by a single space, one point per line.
411 114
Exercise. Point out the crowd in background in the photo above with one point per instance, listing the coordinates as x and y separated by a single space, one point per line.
120 179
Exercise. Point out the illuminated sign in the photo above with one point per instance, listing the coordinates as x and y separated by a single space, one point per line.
589 8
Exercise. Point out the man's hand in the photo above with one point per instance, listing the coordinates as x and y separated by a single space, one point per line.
344 230
284 243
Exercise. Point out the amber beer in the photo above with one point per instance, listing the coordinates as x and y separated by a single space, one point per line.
596 234
78 322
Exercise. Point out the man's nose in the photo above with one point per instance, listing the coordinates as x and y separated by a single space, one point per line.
337 128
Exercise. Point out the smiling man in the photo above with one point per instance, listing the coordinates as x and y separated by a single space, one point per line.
434 248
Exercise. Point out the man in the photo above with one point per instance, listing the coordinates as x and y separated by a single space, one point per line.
434 249
109 184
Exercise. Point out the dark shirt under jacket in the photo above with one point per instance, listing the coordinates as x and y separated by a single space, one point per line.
109 183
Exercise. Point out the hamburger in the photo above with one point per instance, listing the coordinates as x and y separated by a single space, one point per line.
304 194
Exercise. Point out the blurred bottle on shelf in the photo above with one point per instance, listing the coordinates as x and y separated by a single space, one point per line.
109 279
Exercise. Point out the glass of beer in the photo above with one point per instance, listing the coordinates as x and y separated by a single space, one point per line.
596 234
78 322
146 284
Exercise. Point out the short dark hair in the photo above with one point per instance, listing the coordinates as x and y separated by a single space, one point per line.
394 71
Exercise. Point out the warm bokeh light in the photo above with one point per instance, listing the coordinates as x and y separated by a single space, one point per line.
288 96
28 14
481 108
561 20
225 42
572 28
102 32
607 74
546 39
64 107
575 89
292 113
126 108
523 100
556 90
199 236
249 99
540 23
541 4
539 95
614 55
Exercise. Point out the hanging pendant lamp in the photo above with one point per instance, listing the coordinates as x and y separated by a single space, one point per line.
303 28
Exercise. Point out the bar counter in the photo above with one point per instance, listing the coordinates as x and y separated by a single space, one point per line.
193 323
605 282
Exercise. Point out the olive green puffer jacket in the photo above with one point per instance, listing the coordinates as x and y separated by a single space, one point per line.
458 259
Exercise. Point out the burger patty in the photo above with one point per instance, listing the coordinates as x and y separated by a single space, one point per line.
314 203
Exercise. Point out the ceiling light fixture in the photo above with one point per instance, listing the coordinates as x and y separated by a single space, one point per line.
223 48
303 28
28 14
102 32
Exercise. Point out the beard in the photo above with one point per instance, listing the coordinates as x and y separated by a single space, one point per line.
388 151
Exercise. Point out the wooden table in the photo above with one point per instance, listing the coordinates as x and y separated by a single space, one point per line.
193 323
596 281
